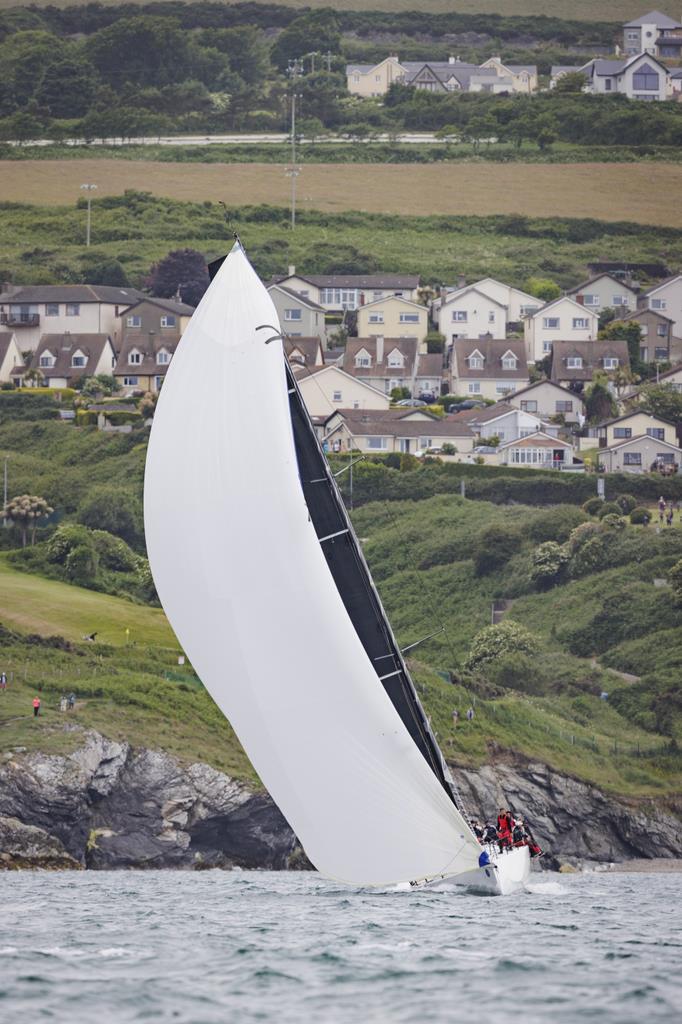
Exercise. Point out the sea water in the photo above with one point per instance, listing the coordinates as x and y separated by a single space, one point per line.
113 947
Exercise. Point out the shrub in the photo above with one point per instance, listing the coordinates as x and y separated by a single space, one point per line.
626 503
555 524
593 556
494 641
448 448
64 540
113 552
114 510
493 547
581 535
516 671
614 522
592 506
675 580
640 516
82 564
609 508
549 563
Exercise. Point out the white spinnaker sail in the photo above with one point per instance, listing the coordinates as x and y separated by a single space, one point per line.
244 582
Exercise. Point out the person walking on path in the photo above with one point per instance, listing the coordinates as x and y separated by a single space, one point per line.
661 509
72 701
36 706
669 515
62 702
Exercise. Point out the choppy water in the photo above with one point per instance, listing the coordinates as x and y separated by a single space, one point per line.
258 946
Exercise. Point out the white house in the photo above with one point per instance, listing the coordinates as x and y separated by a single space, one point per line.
545 399
336 293
538 450
562 319
519 304
639 78
11 359
327 388
666 298
34 310
405 431
648 34
470 313
603 292
504 421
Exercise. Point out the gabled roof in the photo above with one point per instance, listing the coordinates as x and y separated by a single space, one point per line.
393 298
408 348
599 277
377 281
361 424
82 293
304 300
303 373
565 69
653 18
5 342
539 437
148 346
430 365
310 349
662 284
592 354
645 311
629 415
461 292
493 351
486 415
608 68
168 305
539 383
640 437
63 347
562 298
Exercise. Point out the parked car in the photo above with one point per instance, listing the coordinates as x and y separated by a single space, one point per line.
469 403
411 402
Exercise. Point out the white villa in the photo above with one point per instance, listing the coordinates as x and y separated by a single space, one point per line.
562 319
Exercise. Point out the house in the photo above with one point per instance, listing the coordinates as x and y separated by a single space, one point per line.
576 362
671 378
35 310
519 304
166 318
328 388
642 77
60 359
658 343
394 317
524 77
143 362
388 363
641 454
536 451
471 313
299 315
400 431
336 293
605 292
648 34
562 318
453 76
666 297
369 80
306 352
487 368
11 360
503 421
634 424
546 399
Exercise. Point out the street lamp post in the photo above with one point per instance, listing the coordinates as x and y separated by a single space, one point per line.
294 70
5 520
88 189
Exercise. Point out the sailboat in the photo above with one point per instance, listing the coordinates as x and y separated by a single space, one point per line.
265 585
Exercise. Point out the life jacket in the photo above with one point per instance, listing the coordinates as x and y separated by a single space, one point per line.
502 824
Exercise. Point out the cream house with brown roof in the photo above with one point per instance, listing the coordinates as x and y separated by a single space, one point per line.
635 424
371 80
575 363
143 362
604 292
388 363
414 431
487 368
666 297
641 454
306 352
536 451
546 399
394 317
562 319
60 359
328 388
34 310
11 359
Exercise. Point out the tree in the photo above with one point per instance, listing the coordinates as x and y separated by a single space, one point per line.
67 87
548 564
571 82
599 402
182 272
246 48
100 384
317 30
675 580
115 510
480 129
664 401
625 330
493 642
310 128
25 511
542 288
142 50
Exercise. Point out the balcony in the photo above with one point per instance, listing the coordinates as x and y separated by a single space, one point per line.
19 319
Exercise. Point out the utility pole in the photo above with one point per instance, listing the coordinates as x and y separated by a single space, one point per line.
294 70
328 58
5 520
88 189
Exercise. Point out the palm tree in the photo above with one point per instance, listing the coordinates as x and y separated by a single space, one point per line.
25 511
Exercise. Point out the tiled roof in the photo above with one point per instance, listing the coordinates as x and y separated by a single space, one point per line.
592 354
408 347
73 293
148 346
492 350
310 349
5 341
360 424
599 277
170 305
639 437
660 284
538 439
629 415
63 347
538 383
303 299
653 18
430 365
354 280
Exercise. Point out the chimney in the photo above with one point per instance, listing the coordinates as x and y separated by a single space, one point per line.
380 348
580 299
461 281
292 270
451 60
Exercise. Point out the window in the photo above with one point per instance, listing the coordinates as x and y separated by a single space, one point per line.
46 360
529 406
546 347
491 316
509 363
377 78
292 314
376 443
503 387
580 323
657 432
667 457
644 329
158 381
661 353
608 84
396 360
363 360
475 362
632 458
425 442
376 318
574 362
527 310
377 295
51 309
163 357
622 432
356 78
658 304
409 318
73 309
336 397
135 358
551 323
610 363
591 300
78 360
661 330
460 315
474 387
133 321
168 320
130 382
645 78
621 300
564 407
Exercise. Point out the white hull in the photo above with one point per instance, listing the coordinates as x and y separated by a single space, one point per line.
507 873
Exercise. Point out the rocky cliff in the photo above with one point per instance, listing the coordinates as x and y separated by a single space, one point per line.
108 805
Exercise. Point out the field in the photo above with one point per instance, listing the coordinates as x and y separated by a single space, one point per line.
637 192
582 10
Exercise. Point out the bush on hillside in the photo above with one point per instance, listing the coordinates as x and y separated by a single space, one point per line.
581 535
675 580
549 563
640 516
516 671
64 540
114 553
633 609
614 522
114 510
609 508
491 643
493 547
626 503
555 524
592 506
82 564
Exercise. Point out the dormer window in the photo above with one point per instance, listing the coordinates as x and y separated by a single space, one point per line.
395 360
509 361
574 363
47 359
134 321
168 320
476 361
363 358
163 357
135 357
610 363
78 359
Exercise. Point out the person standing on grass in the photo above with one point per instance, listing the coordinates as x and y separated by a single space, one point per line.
3 682
661 509
669 515
72 701
36 706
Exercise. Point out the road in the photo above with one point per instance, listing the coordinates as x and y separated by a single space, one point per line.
258 139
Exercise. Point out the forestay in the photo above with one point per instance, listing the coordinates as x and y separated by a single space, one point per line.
244 581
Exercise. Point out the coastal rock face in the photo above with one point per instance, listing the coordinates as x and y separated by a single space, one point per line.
107 805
